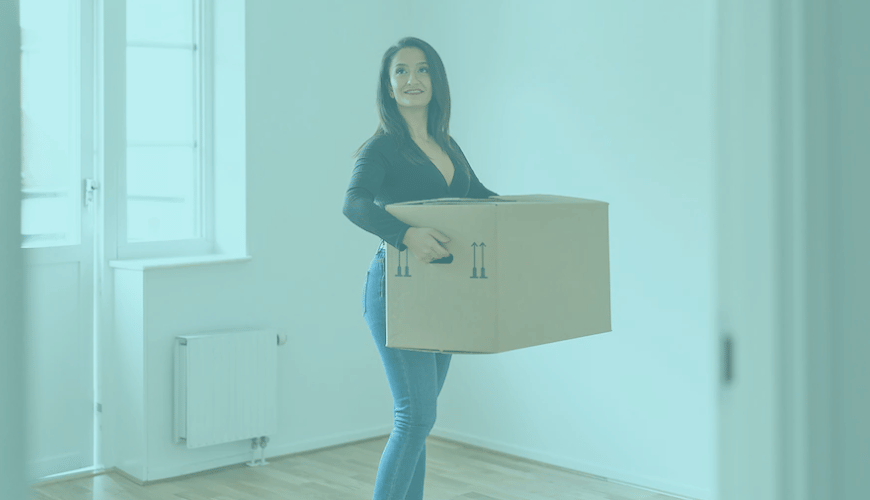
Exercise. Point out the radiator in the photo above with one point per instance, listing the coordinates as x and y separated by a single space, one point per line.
226 387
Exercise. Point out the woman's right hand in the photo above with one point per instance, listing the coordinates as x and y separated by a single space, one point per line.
425 243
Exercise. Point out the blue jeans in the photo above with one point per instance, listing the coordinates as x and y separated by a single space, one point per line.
415 380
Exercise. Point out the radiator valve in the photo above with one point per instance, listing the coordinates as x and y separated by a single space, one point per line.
261 444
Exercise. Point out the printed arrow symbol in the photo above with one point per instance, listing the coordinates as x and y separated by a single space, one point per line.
482 263
474 269
399 268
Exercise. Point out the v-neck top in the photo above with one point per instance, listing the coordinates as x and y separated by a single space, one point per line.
381 176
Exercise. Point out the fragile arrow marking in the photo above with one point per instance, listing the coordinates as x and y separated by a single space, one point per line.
482 263
399 268
474 269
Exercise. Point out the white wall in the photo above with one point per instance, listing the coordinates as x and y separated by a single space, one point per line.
311 76
611 101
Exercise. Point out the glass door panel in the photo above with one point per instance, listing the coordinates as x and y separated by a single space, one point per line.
57 237
50 118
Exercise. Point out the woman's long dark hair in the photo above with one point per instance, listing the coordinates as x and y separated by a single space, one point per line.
393 123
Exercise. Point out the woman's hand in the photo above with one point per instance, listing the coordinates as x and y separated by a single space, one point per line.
425 243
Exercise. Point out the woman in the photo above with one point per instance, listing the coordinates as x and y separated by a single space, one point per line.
410 157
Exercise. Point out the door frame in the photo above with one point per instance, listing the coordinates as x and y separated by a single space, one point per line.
773 110
83 252
12 385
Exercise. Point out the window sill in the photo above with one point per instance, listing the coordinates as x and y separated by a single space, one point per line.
170 262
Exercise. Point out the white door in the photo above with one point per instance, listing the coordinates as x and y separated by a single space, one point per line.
792 233
57 237
750 434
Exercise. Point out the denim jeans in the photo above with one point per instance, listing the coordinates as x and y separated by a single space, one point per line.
415 380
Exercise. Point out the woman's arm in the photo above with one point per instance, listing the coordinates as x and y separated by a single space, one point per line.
359 200
360 208
425 243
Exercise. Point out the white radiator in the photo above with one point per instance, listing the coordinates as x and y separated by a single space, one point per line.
226 387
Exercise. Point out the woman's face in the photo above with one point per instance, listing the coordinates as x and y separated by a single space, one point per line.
410 84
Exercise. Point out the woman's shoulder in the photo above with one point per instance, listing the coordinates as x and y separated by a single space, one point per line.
380 142
374 148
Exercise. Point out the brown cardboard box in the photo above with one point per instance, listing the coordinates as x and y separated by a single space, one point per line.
526 270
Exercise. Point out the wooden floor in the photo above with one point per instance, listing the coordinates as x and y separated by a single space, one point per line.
454 472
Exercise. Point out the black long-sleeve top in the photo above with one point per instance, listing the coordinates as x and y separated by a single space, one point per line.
382 176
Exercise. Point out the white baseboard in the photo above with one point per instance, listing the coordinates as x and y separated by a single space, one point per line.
68 476
652 484
57 467
157 474
330 441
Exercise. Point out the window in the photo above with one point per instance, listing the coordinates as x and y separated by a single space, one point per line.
120 100
123 102
51 119
168 169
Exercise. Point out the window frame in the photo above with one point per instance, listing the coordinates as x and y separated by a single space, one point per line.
204 244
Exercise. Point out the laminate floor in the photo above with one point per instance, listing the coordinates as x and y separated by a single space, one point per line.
454 472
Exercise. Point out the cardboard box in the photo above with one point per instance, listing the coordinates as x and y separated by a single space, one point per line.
525 271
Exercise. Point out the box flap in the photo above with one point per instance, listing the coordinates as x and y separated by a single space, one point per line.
543 198
495 200
452 201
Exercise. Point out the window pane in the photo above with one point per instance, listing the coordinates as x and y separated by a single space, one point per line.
164 21
161 193
160 95
50 167
46 219
163 167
